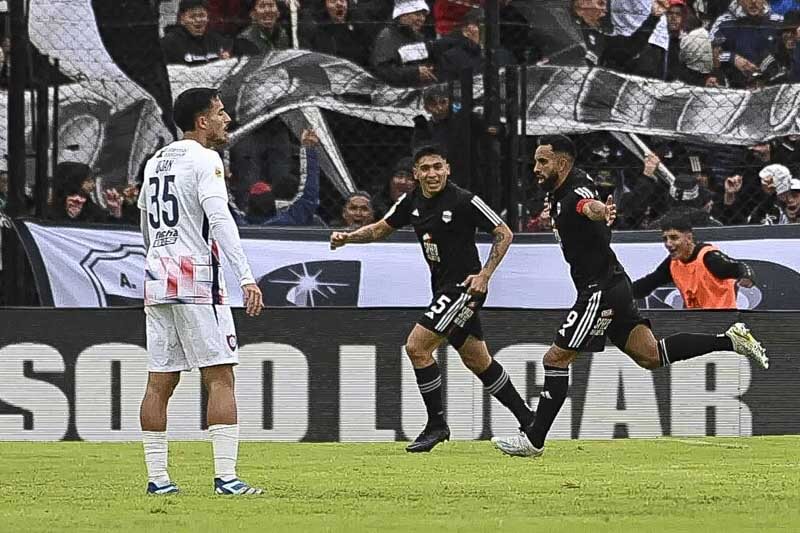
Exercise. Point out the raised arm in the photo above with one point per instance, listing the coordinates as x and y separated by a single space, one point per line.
370 233
597 210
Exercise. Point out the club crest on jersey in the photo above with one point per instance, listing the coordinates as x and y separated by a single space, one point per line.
231 341
218 172
447 216
558 208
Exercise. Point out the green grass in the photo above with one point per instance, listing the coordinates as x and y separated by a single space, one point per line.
710 484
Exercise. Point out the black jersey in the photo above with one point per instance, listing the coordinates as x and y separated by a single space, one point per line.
586 243
445 226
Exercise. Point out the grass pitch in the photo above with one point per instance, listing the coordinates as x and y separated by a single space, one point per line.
709 484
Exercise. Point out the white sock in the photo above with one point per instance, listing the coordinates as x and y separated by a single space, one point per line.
155 456
225 441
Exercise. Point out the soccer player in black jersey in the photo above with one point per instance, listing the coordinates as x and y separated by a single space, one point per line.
605 304
445 217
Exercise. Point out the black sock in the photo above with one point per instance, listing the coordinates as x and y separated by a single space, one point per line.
498 383
683 346
429 381
556 385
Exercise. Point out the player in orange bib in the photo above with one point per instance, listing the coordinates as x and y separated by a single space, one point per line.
705 277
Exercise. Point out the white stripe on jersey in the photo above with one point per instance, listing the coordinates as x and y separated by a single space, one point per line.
392 209
585 193
493 217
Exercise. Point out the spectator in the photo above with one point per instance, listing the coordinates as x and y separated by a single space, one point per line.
449 14
436 103
264 34
357 211
74 185
690 200
732 210
399 54
400 182
190 42
782 203
705 277
518 35
263 155
261 207
462 50
785 56
227 17
338 31
689 55
746 44
629 37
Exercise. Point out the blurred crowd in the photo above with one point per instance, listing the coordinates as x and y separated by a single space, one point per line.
275 179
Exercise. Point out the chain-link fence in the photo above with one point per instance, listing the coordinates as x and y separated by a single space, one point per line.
713 128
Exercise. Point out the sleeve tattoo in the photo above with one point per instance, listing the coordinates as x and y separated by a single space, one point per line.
502 240
595 210
370 233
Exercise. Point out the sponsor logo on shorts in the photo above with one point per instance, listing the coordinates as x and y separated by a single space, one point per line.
606 313
231 341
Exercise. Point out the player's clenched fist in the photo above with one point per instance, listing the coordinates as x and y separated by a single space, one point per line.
338 239
253 303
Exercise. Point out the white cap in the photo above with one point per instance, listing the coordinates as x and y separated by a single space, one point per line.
781 177
404 7
795 185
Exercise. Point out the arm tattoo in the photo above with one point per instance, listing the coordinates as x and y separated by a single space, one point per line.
595 210
502 240
370 233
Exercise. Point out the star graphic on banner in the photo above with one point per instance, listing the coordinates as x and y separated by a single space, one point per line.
306 286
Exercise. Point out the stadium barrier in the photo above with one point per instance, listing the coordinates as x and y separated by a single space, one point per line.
79 265
341 375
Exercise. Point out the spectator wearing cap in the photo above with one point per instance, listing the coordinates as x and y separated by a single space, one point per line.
689 55
691 200
190 42
462 50
400 182
704 275
264 33
357 211
782 201
746 45
399 54
449 14
262 207
338 30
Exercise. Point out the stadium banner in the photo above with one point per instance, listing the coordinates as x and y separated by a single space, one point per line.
327 375
81 266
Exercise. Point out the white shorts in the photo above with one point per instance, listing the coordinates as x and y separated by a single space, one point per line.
186 336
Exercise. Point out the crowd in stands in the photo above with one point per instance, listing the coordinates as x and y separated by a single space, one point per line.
744 44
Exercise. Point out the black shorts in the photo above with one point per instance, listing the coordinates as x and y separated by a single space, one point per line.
598 313
454 314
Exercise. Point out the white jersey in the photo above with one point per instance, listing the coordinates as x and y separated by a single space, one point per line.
183 260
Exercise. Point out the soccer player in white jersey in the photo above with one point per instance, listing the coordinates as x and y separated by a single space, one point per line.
185 222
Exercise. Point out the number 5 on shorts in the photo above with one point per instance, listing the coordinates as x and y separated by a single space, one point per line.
438 307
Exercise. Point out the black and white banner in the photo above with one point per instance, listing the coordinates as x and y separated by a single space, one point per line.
112 123
81 266
341 375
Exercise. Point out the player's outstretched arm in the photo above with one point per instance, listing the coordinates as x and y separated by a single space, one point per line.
479 283
370 233
597 210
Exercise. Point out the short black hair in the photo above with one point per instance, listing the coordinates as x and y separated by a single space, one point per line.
428 149
561 144
186 5
191 103
677 221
